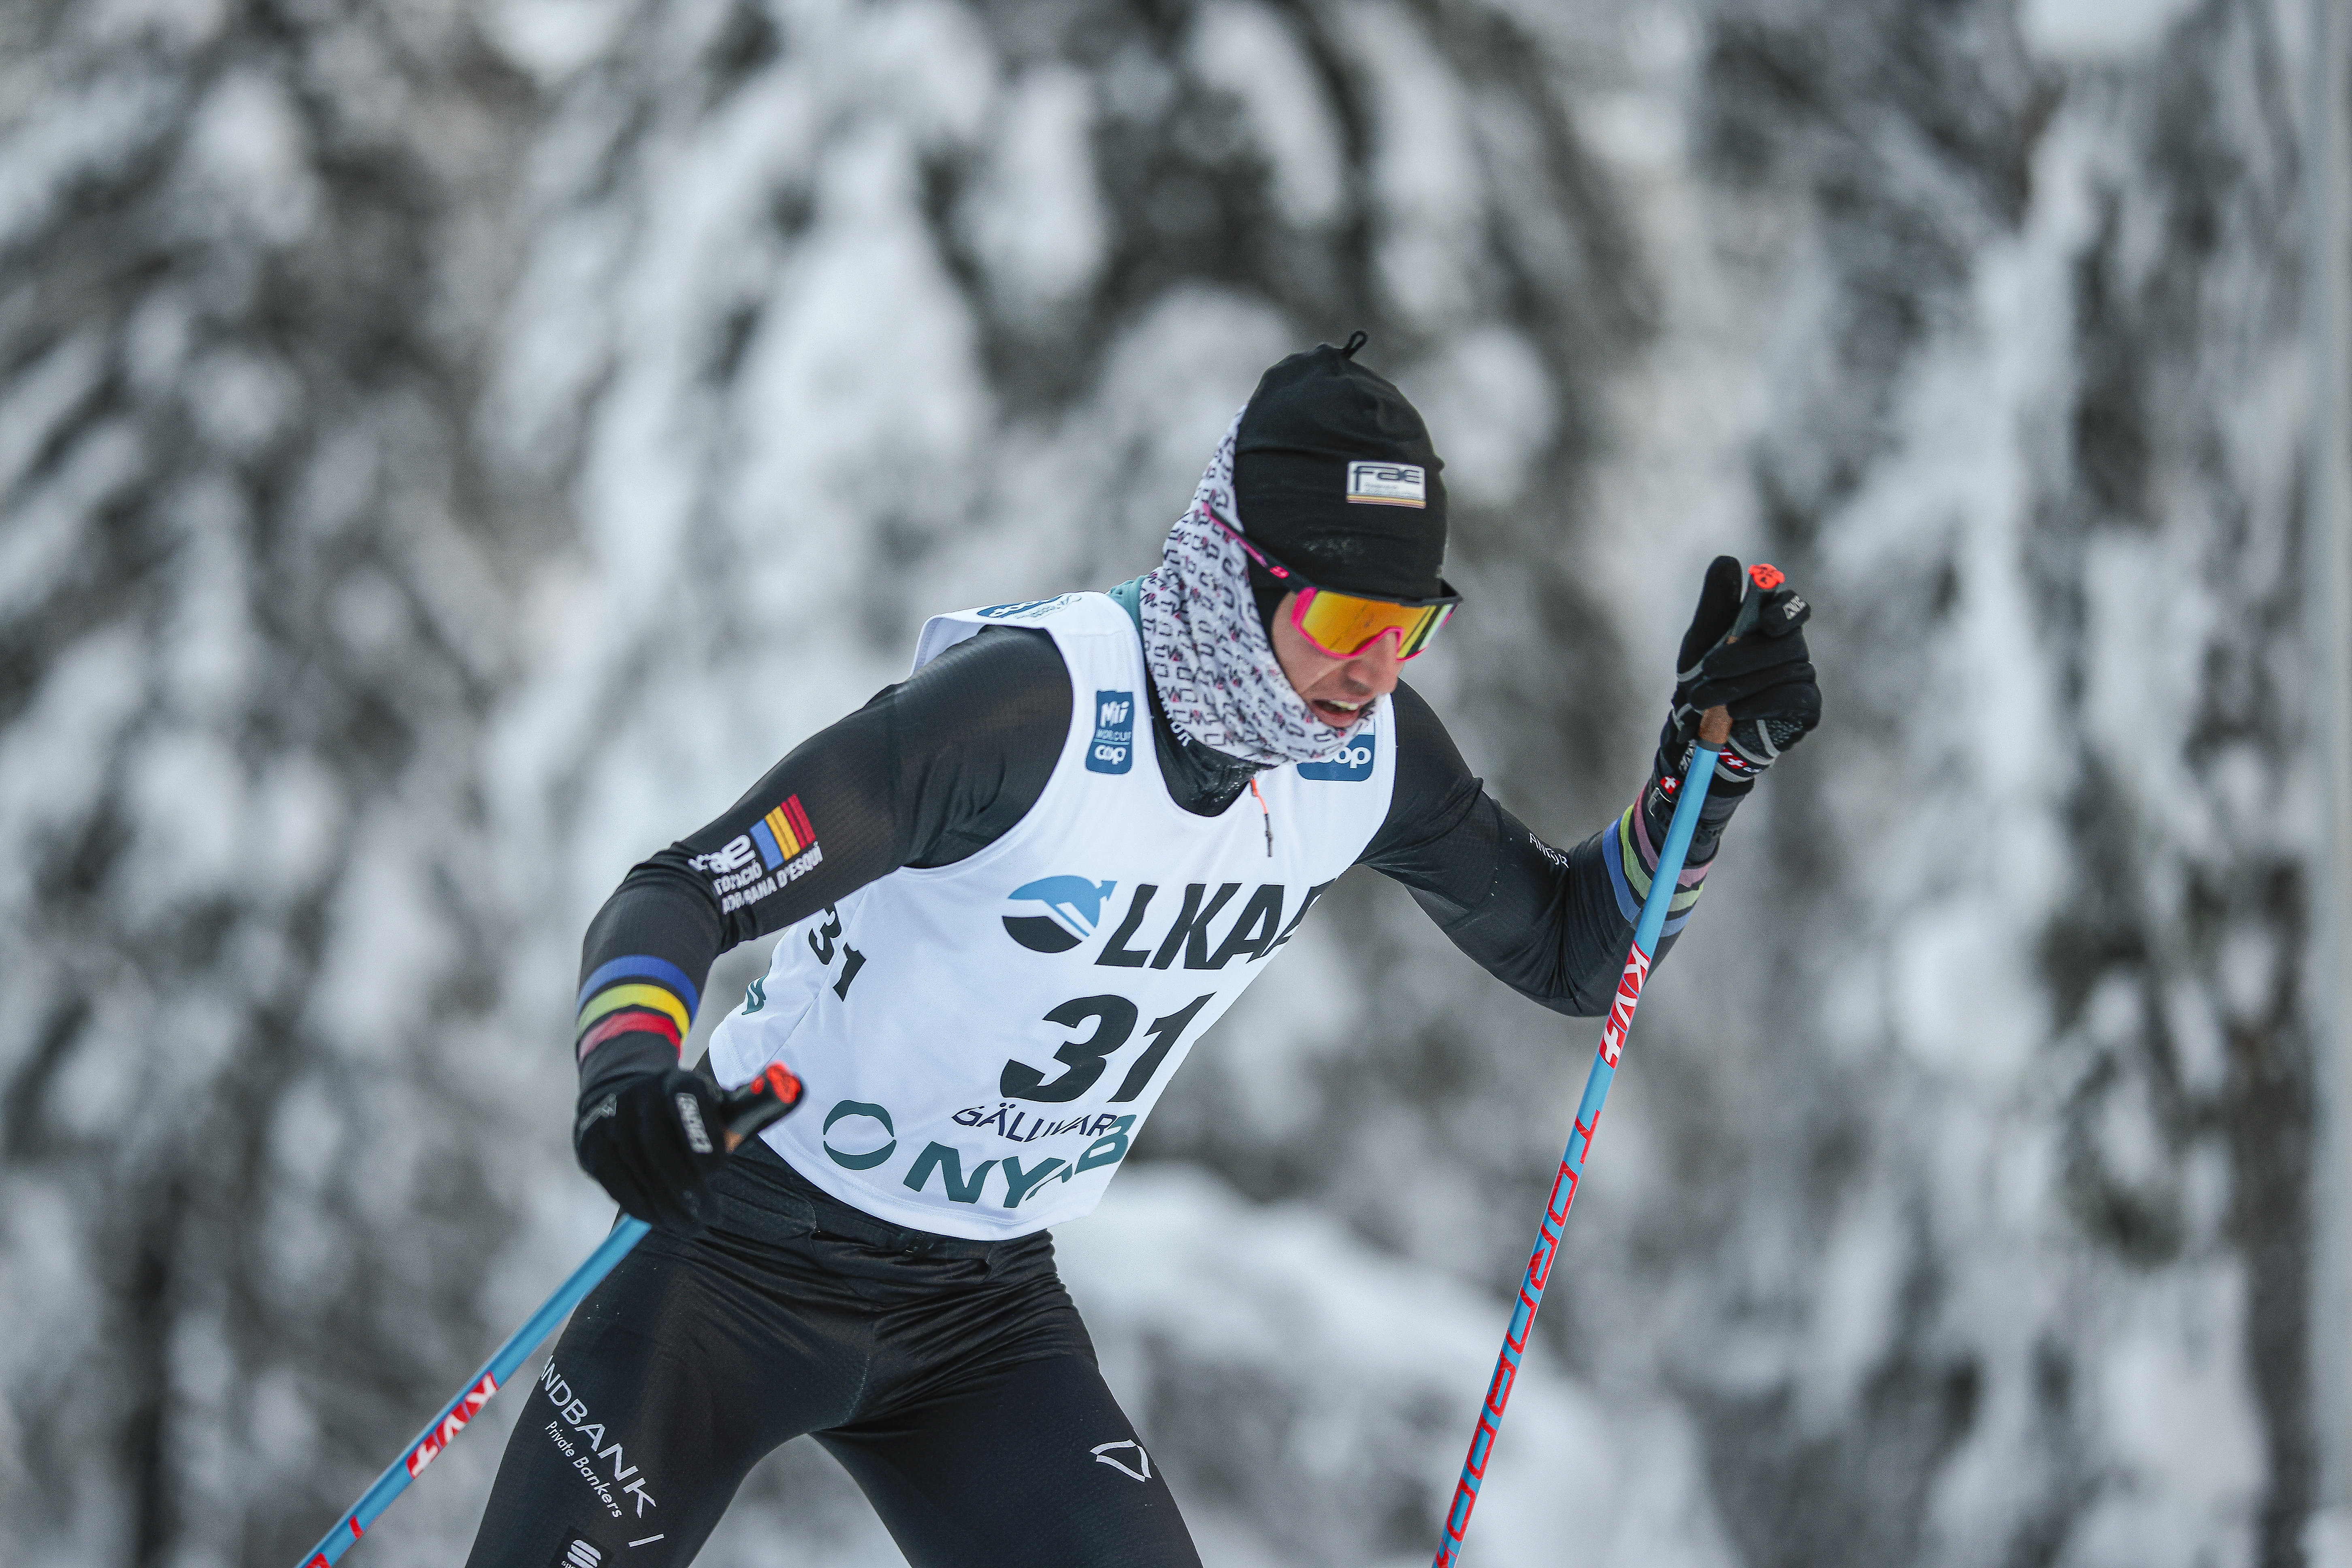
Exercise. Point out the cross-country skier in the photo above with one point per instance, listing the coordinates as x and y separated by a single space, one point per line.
1013 891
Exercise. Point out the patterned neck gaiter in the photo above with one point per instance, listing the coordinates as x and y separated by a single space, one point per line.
1214 669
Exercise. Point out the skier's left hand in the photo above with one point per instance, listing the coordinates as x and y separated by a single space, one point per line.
1765 678
1759 669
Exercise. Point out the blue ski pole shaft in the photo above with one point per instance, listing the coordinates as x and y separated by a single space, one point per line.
492 1377
749 1108
1696 775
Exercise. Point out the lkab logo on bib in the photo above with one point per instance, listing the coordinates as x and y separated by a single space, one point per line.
1056 913
1351 762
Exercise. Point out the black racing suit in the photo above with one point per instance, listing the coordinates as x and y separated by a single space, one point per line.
952 1378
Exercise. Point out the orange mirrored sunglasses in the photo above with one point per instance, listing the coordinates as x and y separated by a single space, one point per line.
1345 624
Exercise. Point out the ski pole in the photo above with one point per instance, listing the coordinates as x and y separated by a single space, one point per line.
746 1110
1714 727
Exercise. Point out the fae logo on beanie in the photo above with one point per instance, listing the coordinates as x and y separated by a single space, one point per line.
1388 484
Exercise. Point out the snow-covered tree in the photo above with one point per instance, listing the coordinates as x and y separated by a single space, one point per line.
447 451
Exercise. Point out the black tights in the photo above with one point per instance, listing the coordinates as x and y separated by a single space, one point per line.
953 1380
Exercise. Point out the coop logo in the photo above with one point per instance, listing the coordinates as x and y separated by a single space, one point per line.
1350 763
1112 751
1057 913
1022 609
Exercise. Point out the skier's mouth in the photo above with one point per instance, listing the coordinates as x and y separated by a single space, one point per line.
1339 715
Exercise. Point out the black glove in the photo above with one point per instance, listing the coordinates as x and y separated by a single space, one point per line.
652 1143
1744 651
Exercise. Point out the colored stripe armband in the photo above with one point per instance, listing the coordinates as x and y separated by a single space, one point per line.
1630 868
641 967
627 1021
654 998
640 993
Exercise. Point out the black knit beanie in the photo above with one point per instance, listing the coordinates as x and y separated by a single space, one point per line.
1334 475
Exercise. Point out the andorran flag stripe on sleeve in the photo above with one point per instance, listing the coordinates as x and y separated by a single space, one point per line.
784 833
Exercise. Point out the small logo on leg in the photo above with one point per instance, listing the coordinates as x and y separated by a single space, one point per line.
578 1554
1139 1471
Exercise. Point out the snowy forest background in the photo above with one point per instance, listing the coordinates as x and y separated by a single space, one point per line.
449 449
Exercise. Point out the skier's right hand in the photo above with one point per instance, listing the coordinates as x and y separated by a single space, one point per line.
653 1142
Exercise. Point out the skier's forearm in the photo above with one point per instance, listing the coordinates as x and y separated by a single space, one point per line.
1545 922
928 773
658 932
816 828
1552 925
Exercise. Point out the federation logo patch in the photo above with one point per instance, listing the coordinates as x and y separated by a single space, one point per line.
1112 750
1388 484
781 848
783 834
1059 912
1352 764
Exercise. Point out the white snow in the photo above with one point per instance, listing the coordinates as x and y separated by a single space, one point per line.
553 38
2099 32
249 158
1249 51
1219 1314
744 420
1034 221
1427 170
